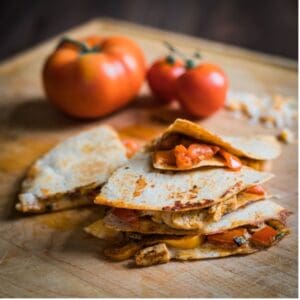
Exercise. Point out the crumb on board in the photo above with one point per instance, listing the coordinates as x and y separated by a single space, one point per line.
275 111
286 136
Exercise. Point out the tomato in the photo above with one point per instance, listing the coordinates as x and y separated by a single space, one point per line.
264 237
202 90
231 161
126 215
94 76
255 189
227 238
162 76
183 160
201 151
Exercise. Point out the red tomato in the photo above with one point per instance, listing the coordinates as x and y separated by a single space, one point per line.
127 215
202 90
94 76
162 76
264 237
232 162
227 238
255 189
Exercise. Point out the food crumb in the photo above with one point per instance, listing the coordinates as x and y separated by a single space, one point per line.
286 136
271 111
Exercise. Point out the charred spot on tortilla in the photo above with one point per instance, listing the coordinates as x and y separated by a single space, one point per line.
139 186
233 189
179 206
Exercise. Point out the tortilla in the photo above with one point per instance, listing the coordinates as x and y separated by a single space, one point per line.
107 227
251 214
156 249
71 171
144 226
137 185
258 147
100 231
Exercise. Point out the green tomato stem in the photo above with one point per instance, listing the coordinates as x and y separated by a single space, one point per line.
84 48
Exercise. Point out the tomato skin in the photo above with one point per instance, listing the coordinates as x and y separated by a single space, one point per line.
162 77
202 90
255 189
94 84
264 237
226 238
232 162
126 215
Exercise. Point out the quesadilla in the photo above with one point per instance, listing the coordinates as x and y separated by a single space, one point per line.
257 226
159 215
186 145
72 173
137 185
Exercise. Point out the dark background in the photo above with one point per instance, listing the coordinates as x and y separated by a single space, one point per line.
269 26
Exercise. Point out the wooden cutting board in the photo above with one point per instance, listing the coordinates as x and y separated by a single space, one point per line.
50 255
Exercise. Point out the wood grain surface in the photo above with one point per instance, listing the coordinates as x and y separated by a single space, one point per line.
50 255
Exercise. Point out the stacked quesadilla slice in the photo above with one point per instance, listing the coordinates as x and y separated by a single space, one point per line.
72 173
158 215
186 145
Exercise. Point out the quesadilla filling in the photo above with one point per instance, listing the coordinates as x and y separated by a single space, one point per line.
192 219
80 197
157 249
176 151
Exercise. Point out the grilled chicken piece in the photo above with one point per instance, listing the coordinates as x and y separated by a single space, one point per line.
153 255
216 211
123 252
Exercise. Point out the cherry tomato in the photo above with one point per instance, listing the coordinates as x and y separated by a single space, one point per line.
202 90
162 76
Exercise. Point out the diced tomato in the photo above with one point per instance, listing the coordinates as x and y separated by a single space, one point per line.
264 237
166 157
127 215
232 162
199 152
255 189
183 160
131 147
227 238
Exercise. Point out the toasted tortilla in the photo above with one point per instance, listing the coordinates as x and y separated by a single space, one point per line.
137 185
156 249
252 214
100 231
70 174
258 147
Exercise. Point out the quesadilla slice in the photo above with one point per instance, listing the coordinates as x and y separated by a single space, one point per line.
72 173
176 223
258 226
186 145
138 186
